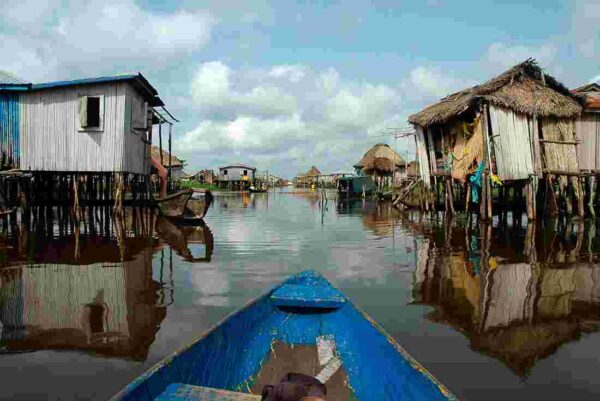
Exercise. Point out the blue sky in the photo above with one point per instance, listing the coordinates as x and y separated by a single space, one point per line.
284 85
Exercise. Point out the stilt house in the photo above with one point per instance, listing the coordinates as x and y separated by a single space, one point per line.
588 128
519 126
383 163
82 128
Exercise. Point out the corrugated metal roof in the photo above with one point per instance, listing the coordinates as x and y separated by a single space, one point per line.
138 80
7 78
238 165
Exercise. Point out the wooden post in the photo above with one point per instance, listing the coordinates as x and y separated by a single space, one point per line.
483 198
578 195
528 198
552 201
488 164
160 141
169 177
592 186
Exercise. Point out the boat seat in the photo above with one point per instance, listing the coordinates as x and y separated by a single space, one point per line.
310 297
187 392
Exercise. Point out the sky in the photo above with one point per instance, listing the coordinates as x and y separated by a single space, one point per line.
285 85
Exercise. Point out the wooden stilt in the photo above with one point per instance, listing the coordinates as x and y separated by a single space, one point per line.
592 190
578 195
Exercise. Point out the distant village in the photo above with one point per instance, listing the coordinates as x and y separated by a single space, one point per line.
520 140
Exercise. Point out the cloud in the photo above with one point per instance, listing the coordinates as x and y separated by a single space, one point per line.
294 73
87 34
212 91
426 84
284 114
504 56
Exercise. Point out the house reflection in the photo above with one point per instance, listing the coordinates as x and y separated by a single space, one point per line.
84 292
511 305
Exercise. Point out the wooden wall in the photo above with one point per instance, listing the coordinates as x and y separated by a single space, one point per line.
235 174
51 141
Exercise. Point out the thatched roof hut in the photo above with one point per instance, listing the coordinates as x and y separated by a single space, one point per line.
313 172
525 89
382 159
525 115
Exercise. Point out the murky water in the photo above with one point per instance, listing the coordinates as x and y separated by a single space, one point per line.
508 313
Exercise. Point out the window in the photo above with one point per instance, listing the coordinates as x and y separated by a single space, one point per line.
139 114
245 172
91 113
224 172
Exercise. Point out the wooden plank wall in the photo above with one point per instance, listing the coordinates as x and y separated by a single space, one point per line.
136 153
50 140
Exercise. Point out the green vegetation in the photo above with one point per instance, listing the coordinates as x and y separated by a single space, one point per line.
185 184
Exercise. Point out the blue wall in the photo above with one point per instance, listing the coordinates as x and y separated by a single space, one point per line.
9 130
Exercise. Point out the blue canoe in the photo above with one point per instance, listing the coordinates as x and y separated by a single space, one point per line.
303 325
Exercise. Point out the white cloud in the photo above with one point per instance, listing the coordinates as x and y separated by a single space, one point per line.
294 73
283 114
427 84
505 56
212 91
90 34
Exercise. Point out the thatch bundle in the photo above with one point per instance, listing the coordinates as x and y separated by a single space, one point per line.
382 159
525 88
557 155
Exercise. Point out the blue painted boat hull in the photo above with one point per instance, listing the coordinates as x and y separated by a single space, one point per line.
230 355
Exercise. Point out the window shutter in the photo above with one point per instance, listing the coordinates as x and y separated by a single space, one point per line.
82 111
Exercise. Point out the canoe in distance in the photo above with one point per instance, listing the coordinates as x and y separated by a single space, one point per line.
303 325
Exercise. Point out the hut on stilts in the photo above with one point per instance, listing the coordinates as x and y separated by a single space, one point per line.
588 135
86 140
384 164
308 179
515 131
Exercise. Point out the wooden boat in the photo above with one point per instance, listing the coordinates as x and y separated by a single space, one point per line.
174 205
303 325
198 204
257 190
181 237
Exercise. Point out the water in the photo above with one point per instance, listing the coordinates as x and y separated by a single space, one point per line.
511 313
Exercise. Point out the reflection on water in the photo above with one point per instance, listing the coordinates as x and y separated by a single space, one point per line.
516 303
89 286
467 300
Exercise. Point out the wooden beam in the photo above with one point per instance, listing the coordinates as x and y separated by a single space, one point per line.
560 142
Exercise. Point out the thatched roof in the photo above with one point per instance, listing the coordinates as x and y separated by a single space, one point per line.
589 95
525 88
380 158
175 162
313 172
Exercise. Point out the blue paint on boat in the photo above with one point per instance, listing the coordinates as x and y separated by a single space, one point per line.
231 354
302 296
